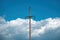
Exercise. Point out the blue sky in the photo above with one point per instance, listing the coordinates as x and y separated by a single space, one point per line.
45 24
41 9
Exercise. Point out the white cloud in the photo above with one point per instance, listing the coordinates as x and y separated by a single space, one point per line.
19 26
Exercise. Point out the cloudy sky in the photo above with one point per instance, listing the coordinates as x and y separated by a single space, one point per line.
45 24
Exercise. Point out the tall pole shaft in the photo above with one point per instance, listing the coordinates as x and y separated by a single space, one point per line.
29 17
29 11
30 38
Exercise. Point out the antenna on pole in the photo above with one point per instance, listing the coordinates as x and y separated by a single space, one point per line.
29 17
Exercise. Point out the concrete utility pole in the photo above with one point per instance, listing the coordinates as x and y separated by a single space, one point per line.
30 38
29 17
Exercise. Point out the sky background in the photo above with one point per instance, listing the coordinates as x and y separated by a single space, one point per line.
45 24
40 9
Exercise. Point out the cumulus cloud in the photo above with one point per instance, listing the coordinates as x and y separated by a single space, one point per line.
47 29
